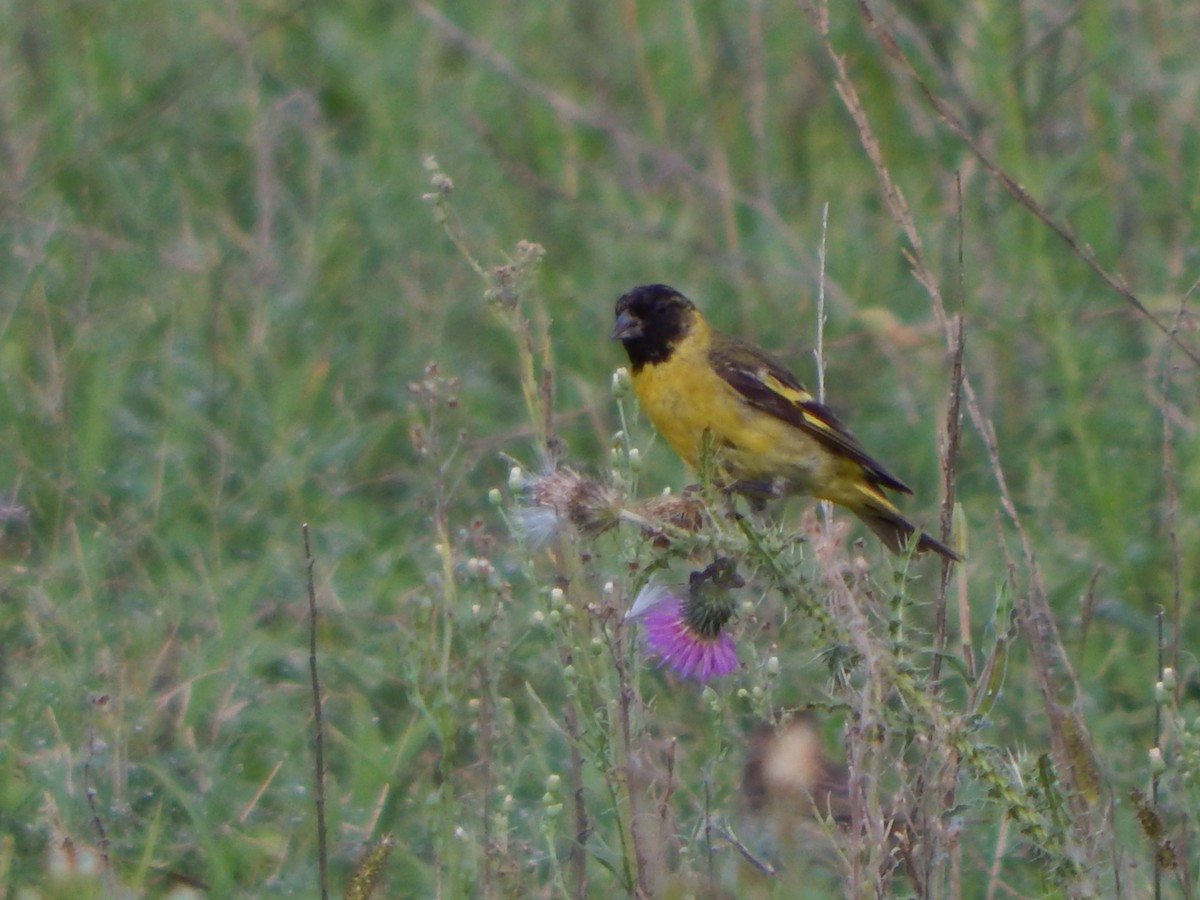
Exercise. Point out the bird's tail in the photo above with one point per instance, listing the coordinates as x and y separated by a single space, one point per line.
896 531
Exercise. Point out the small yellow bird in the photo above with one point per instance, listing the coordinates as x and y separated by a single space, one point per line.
767 435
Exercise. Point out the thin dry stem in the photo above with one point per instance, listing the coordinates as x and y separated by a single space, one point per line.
578 860
89 789
948 457
1171 488
318 722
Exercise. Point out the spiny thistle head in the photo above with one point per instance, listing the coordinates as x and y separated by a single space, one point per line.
688 635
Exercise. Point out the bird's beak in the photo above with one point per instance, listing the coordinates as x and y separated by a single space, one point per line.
626 326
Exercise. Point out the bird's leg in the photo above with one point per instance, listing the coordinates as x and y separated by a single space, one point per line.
757 491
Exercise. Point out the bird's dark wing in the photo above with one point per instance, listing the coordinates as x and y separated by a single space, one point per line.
766 384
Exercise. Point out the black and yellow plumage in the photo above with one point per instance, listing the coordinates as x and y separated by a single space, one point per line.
768 435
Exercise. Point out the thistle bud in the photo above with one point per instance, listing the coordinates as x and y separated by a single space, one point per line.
516 479
620 382
1169 679
1158 765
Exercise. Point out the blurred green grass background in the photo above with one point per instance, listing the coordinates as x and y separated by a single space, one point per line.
218 280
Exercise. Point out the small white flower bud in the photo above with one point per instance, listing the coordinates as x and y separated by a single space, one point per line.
1158 765
620 382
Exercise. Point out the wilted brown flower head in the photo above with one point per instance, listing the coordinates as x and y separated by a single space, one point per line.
566 497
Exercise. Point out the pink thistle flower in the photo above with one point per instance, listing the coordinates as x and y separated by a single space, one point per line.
686 635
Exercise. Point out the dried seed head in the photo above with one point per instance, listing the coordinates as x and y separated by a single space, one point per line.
589 506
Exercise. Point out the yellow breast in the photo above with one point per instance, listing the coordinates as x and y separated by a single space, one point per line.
685 399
